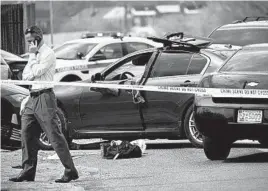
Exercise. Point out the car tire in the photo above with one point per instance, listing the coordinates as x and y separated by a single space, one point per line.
264 142
194 136
43 141
215 149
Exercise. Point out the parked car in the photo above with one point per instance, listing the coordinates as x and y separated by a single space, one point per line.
5 70
251 30
126 114
223 120
11 97
79 59
16 65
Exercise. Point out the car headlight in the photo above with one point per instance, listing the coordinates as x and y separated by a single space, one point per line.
18 97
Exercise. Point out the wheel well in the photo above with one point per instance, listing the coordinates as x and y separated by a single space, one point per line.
70 78
184 113
6 110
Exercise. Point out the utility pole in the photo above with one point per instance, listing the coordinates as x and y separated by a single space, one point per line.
51 22
125 18
25 24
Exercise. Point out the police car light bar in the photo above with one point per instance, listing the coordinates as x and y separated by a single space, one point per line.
103 34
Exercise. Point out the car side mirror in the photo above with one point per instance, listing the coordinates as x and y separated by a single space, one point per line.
96 77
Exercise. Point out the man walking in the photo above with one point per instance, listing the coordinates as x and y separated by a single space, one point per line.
39 111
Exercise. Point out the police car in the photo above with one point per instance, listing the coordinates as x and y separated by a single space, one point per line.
79 59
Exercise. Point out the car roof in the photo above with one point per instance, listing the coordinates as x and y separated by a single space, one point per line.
262 46
97 40
249 24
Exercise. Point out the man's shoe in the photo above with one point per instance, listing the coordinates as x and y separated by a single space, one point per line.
17 167
22 178
66 179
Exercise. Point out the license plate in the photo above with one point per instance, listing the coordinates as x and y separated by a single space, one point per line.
249 116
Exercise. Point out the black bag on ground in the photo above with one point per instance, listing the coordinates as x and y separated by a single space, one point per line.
124 150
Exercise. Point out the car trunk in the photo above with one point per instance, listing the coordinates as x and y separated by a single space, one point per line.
240 81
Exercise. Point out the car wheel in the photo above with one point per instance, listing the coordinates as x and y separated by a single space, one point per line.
215 149
44 143
264 142
194 136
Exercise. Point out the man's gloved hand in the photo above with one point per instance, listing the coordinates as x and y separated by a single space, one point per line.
23 104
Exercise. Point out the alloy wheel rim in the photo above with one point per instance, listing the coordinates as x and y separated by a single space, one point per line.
43 137
193 130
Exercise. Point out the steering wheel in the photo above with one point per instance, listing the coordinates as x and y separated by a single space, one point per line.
124 75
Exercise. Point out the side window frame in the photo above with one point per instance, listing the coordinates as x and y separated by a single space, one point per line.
205 67
115 67
174 76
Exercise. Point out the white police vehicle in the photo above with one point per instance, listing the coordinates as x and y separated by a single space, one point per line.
79 59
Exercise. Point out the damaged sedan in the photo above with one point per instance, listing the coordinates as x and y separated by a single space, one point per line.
129 114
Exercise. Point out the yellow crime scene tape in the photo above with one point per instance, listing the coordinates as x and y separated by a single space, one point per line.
213 92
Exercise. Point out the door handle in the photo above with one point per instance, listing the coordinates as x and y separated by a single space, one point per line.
186 83
137 98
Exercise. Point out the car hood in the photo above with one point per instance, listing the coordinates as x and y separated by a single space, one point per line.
10 89
9 57
239 80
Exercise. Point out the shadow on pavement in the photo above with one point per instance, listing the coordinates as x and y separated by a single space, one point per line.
94 146
246 145
256 157
169 145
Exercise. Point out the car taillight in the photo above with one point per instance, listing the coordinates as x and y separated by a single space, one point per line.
205 82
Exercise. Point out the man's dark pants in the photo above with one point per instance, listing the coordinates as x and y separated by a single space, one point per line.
40 113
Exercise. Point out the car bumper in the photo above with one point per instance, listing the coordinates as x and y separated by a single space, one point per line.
220 119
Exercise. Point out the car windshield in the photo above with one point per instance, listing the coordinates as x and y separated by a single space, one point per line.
70 51
240 37
248 61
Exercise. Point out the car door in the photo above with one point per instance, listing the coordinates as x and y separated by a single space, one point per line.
113 109
170 69
4 70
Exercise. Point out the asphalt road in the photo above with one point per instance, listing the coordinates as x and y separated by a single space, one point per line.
168 165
